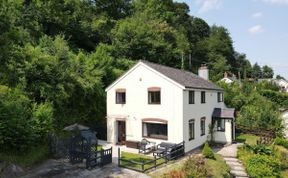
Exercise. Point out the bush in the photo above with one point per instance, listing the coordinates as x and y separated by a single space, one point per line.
281 141
195 167
259 149
207 152
175 174
263 166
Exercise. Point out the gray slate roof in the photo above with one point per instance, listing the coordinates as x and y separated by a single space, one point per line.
185 78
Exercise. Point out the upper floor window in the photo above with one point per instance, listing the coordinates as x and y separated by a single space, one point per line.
191 97
220 97
202 126
191 129
203 97
154 95
120 96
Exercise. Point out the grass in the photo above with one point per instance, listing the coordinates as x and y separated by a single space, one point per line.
217 168
284 173
28 158
247 138
138 158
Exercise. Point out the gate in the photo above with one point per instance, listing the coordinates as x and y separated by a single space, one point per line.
99 158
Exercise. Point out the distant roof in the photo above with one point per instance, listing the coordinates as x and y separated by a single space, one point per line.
185 78
223 113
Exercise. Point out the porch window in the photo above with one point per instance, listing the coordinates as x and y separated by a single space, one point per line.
203 126
191 129
220 97
155 130
120 97
221 125
154 95
203 97
191 97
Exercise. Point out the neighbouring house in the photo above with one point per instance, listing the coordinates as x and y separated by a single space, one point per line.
284 116
164 104
229 80
281 83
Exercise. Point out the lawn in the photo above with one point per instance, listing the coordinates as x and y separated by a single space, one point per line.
247 138
217 168
25 159
138 158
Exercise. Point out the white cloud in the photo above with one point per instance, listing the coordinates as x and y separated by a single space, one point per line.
257 15
285 2
256 29
207 5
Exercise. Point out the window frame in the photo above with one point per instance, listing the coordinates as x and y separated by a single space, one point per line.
203 97
217 124
191 97
154 137
120 92
202 127
220 97
154 90
191 130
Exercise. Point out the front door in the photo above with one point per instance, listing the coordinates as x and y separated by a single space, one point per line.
121 132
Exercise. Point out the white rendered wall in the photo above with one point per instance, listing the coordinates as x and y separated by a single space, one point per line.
224 137
136 108
197 111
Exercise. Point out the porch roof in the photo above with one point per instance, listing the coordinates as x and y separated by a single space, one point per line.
223 113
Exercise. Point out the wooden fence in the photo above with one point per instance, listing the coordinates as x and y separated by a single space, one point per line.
177 152
99 158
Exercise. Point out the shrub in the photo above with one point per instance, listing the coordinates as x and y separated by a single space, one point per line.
263 166
281 141
195 167
259 149
282 155
175 174
207 151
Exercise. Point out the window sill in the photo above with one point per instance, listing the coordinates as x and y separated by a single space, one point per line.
121 103
155 138
221 130
191 139
202 135
154 103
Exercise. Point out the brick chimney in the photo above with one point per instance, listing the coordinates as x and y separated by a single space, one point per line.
203 72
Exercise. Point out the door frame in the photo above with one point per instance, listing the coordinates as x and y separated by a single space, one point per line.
121 130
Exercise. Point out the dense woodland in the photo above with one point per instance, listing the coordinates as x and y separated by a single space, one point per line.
57 57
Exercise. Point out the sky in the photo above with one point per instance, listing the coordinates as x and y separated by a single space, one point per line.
259 28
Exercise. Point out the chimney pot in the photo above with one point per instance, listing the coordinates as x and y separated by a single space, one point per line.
203 72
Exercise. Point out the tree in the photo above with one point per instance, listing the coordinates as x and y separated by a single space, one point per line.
256 71
267 72
280 77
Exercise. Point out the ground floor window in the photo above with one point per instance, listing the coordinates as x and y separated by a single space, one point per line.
155 130
221 125
191 129
203 126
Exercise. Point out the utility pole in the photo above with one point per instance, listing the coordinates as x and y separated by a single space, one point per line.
190 62
182 61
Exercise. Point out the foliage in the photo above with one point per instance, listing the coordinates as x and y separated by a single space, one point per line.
259 149
280 99
259 165
281 154
263 166
247 138
194 166
218 167
28 158
281 141
208 152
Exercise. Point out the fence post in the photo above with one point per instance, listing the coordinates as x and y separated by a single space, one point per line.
119 157
102 157
155 161
142 166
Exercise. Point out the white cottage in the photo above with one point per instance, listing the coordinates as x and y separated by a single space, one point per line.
164 104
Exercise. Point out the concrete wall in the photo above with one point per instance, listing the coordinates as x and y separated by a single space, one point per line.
136 108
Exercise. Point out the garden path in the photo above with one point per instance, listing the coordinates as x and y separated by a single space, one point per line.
229 154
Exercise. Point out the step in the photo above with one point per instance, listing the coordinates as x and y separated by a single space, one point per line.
237 168
239 173
231 159
232 163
